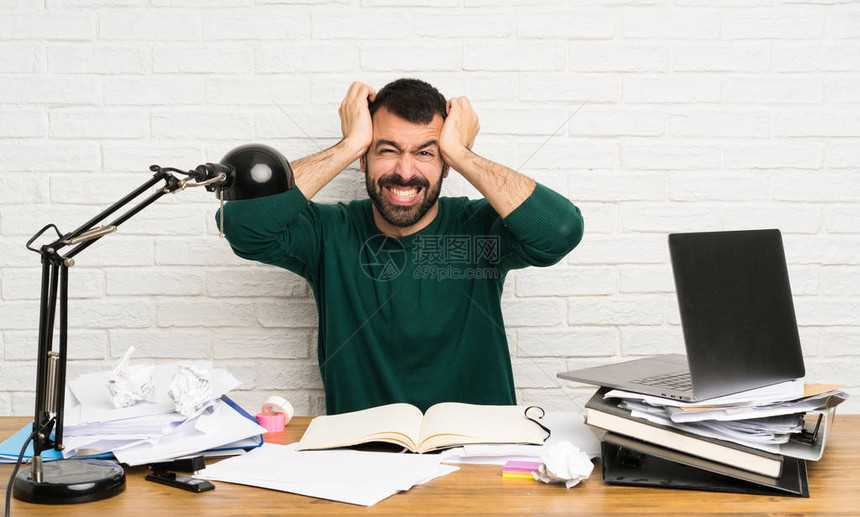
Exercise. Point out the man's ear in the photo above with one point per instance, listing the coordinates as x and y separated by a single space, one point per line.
445 169
362 163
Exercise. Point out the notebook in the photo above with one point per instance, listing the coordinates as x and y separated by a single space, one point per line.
738 320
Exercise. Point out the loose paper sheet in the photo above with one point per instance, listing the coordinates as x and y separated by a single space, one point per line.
349 476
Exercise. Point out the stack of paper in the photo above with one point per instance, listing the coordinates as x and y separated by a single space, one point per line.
761 419
753 442
565 426
149 431
349 476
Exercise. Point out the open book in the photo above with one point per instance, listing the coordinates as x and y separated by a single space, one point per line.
446 424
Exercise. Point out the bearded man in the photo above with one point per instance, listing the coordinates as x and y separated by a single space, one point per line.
408 284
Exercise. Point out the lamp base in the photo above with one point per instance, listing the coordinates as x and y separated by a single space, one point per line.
70 482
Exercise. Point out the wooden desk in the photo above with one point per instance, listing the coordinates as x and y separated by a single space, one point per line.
477 489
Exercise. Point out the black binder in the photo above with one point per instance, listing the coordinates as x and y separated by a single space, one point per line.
627 461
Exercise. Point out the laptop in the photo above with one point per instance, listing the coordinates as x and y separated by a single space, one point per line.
738 320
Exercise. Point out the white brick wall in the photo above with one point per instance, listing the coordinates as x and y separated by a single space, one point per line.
654 117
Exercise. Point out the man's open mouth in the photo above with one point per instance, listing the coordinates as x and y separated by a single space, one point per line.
403 195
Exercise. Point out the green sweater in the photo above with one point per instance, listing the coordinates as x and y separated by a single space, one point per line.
416 319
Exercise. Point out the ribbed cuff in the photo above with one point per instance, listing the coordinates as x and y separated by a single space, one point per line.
539 215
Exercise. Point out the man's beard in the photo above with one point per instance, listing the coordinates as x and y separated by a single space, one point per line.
402 215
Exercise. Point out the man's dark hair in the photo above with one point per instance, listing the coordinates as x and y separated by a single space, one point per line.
410 99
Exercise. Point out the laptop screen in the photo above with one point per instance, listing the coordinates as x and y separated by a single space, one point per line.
736 309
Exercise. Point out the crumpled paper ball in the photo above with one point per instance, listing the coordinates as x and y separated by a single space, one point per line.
190 389
130 384
564 462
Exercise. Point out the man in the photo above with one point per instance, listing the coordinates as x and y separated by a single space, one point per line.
408 284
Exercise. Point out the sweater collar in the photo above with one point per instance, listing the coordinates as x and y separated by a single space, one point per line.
430 229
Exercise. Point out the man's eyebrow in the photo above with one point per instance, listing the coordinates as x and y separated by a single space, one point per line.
428 143
382 142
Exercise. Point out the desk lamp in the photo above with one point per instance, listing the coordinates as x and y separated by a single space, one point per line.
247 172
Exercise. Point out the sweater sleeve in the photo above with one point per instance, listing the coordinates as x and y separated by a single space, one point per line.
541 231
282 230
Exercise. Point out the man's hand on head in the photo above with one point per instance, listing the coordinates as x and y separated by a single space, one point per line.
313 172
459 131
355 121
504 188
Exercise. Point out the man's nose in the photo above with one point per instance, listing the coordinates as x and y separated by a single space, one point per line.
406 166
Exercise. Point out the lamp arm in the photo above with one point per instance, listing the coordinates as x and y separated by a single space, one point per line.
80 234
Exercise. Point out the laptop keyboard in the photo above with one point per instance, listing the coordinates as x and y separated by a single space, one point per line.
674 381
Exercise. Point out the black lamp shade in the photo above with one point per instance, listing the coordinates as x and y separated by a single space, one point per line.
258 171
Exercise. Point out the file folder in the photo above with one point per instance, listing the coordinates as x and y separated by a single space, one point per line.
627 461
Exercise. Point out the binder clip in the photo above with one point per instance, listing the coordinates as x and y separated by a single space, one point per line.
808 437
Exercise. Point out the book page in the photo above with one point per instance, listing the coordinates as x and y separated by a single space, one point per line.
454 423
394 423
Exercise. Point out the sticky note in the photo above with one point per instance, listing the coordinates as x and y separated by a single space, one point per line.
516 475
520 469
526 466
